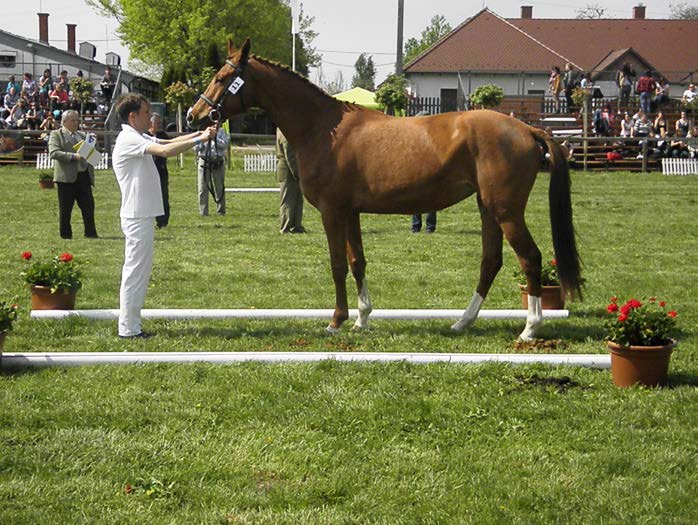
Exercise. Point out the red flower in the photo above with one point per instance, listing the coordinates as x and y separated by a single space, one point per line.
614 299
672 313
553 262
26 255
613 307
633 303
65 257
625 309
662 304
622 317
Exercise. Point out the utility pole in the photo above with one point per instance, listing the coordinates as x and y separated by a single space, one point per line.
400 19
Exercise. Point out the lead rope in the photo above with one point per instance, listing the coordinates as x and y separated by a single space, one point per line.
208 169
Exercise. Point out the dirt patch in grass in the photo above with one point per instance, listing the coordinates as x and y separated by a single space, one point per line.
540 345
558 384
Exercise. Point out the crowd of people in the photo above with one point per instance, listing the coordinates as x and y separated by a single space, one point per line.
39 104
666 139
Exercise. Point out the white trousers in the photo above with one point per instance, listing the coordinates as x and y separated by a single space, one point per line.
135 275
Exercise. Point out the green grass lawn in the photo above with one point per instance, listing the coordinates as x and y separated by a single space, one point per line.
341 442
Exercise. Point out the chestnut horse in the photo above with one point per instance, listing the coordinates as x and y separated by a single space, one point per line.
354 160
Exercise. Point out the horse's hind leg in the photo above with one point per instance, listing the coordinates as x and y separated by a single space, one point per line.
357 263
335 225
529 257
489 266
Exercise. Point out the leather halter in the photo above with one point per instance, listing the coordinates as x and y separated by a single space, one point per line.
217 105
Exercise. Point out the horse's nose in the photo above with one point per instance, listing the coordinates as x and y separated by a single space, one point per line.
190 117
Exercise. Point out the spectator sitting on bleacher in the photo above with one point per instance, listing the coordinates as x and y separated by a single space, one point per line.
682 125
16 120
48 124
63 81
678 149
59 98
642 127
108 83
45 86
689 94
12 83
661 93
626 125
10 100
34 116
660 125
29 87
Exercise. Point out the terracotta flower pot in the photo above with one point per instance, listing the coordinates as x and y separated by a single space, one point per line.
43 299
640 365
45 184
551 297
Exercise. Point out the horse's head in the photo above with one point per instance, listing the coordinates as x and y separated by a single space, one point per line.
223 97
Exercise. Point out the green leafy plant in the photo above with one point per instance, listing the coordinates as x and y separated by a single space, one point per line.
61 272
640 323
82 90
392 94
8 314
579 95
488 96
45 175
179 94
548 274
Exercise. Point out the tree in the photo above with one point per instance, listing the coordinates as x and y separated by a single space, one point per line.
179 32
392 95
684 11
487 96
365 76
331 86
592 11
437 29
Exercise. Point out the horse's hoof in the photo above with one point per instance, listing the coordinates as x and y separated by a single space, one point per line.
331 330
360 327
529 334
461 325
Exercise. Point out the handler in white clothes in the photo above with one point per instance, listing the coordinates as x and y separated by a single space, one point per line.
141 201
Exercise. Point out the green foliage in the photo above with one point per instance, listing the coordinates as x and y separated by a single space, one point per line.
179 93
365 76
201 81
690 106
8 314
81 89
392 94
179 32
45 175
61 272
640 323
488 96
548 274
437 29
579 95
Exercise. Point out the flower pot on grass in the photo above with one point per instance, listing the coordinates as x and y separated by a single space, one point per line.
53 283
46 180
551 297
639 341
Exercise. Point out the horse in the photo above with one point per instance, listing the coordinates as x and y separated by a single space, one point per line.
354 160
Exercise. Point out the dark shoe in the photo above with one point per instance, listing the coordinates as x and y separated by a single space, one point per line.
414 230
430 231
142 335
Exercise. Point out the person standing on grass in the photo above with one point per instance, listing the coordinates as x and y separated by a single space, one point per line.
73 175
141 201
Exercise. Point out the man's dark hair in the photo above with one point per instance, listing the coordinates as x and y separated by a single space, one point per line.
128 103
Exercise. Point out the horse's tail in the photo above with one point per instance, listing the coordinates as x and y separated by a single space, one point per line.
564 244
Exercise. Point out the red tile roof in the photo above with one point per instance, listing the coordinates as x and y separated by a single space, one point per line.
487 42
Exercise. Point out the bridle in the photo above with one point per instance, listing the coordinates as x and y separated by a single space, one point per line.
234 86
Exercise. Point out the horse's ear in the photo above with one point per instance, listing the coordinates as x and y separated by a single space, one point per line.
245 51
231 47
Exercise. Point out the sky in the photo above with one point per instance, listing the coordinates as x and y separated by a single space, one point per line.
345 29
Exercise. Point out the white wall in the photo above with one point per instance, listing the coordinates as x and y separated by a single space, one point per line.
430 84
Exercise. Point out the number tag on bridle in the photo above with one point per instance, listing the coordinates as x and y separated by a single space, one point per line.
236 85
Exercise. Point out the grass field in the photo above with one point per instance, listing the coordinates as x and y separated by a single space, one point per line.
339 442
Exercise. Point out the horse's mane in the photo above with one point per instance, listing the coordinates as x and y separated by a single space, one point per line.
288 70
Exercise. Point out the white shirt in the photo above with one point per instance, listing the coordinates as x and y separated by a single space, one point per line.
689 95
139 182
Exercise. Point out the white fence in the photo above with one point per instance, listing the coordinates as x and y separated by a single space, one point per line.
680 166
260 163
44 163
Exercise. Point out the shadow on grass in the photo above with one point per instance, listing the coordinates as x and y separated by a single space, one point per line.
675 380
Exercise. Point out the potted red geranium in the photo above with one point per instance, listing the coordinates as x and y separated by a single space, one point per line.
54 283
551 294
640 341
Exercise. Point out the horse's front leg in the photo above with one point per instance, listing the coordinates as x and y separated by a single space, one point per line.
335 224
357 263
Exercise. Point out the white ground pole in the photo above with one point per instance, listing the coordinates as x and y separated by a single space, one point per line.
252 190
63 359
309 313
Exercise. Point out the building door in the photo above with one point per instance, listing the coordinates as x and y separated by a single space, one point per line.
449 100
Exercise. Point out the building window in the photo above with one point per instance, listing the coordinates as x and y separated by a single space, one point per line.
536 92
8 59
